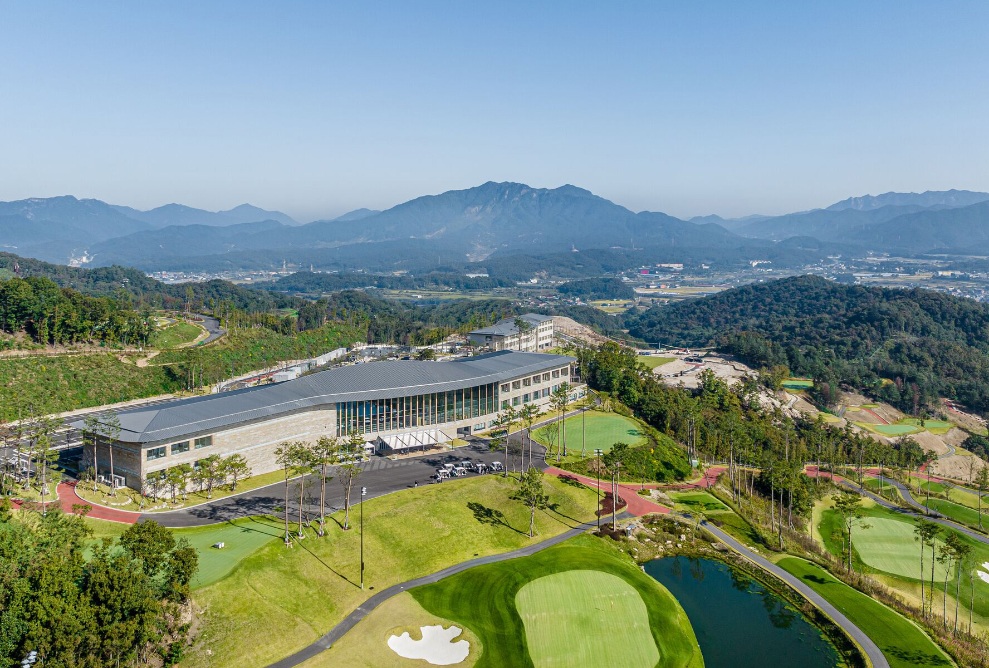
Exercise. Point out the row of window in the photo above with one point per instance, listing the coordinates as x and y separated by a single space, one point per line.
527 397
178 448
534 380
377 415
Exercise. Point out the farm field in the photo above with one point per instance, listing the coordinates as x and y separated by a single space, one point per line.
305 590
517 626
903 643
602 430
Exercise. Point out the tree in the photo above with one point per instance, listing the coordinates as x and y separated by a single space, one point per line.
236 467
286 456
426 354
532 494
174 479
148 542
326 453
40 432
509 415
154 481
849 508
982 482
613 460
105 429
528 415
522 327
925 532
351 452
560 399
210 472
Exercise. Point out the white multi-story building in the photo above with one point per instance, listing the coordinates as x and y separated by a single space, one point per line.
505 334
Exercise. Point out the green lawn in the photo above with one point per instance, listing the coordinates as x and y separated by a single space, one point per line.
241 538
602 430
933 426
798 383
903 643
511 634
177 334
278 600
891 429
956 512
651 361
702 502
574 618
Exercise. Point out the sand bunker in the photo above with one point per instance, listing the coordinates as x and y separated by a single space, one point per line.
982 574
436 647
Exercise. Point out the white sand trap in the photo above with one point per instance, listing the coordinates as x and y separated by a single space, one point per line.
983 576
436 647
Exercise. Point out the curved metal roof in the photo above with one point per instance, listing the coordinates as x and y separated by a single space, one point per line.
186 418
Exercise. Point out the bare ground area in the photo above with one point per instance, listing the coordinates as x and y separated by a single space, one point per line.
571 327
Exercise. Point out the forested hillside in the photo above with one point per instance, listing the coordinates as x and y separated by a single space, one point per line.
907 347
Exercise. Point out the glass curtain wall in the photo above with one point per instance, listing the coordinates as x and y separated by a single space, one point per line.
421 410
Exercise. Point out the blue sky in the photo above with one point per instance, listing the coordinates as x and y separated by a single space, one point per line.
318 108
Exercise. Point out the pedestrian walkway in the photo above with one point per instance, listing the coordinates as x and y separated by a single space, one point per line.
636 505
66 492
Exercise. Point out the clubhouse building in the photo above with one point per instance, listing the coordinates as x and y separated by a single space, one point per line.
395 405
505 334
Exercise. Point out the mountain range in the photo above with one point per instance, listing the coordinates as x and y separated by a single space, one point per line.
487 223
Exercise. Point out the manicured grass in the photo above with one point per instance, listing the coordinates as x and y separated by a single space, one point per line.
177 334
888 545
956 512
484 599
886 490
574 618
892 429
903 643
651 361
241 538
602 431
279 600
703 502
366 645
736 526
933 426
798 383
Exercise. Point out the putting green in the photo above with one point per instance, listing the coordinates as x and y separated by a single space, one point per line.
240 539
891 429
602 430
889 546
798 383
585 618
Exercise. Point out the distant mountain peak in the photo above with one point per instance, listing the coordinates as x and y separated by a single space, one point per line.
930 198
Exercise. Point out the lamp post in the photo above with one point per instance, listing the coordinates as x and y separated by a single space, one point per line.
363 494
597 513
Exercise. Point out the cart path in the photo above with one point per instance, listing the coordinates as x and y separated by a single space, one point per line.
67 496
362 611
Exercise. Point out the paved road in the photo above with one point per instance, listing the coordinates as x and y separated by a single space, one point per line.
365 608
212 326
917 509
868 646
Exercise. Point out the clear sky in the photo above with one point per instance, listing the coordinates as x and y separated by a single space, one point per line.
317 108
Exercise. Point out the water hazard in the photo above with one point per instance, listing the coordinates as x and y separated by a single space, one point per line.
738 622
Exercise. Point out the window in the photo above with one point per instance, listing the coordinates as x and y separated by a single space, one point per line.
546 377
505 387
545 391
505 404
515 401
178 448
525 398
156 453
565 371
204 442
479 426
516 384
556 373
526 382
535 380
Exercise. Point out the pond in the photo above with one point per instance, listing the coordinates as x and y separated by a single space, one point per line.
738 622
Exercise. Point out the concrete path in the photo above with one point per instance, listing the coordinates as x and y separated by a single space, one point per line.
370 604
870 648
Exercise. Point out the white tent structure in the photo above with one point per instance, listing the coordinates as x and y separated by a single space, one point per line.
414 440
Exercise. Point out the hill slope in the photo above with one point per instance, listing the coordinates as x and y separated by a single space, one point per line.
927 343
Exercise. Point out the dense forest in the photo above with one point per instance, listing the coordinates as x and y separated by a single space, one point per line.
907 347
316 284
50 315
121 603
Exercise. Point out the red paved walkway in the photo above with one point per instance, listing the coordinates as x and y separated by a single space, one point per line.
68 497
637 505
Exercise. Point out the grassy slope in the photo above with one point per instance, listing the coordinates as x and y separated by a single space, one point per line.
303 592
903 642
500 627
176 334
366 645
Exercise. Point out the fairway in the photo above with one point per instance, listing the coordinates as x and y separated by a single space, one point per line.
892 429
653 361
699 501
585 618
798 383
903 643
888 545
602 431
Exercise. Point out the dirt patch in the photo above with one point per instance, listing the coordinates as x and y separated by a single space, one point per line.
571 327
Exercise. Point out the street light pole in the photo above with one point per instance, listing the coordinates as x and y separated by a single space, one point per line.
363 494
597 513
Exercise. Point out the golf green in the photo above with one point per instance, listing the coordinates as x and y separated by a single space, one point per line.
888 545
893 429
585 618
240 539
602 430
